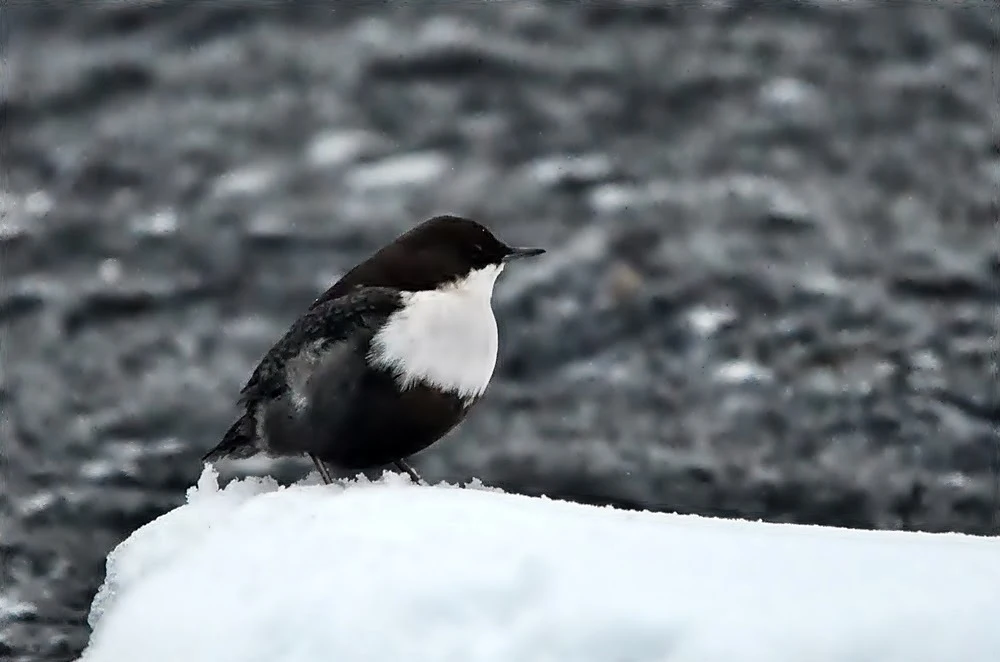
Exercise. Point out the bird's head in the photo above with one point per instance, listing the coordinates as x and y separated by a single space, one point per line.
440 252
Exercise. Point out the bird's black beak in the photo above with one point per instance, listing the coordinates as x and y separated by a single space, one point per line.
519 253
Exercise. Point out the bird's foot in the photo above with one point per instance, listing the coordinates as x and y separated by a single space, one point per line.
403 465
324 471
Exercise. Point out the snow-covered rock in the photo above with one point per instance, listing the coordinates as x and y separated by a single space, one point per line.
389 571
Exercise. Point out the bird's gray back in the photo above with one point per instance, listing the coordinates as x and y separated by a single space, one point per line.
322 383
320 357
313 334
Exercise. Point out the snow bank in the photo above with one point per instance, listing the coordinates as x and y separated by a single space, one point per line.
389 571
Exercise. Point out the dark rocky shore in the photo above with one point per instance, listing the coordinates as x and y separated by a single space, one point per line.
772 292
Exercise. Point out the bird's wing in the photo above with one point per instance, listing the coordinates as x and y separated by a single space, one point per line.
332 321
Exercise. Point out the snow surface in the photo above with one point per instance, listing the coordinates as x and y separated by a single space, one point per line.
389 571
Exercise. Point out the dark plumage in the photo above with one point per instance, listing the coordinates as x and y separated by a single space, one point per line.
386 361
434 252
330 340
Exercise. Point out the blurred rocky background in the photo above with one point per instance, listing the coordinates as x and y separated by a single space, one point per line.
771 289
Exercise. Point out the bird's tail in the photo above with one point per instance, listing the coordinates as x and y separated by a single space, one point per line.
237 443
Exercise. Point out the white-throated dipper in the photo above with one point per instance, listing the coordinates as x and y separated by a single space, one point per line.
385 362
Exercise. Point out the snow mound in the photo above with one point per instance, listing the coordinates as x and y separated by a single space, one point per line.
387 571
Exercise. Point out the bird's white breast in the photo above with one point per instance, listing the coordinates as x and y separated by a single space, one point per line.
445 338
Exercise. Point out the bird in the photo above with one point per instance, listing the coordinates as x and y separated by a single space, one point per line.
385 362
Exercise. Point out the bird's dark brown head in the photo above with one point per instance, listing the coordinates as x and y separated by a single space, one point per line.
439 250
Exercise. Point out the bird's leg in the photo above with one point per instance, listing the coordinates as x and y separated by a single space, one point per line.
324 472
404 466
